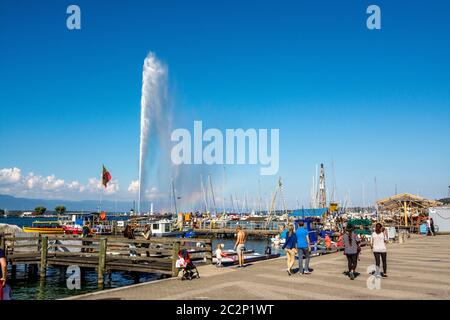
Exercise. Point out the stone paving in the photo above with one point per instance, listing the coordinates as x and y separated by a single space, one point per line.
417 269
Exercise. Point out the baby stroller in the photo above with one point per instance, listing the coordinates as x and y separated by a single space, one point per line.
185 264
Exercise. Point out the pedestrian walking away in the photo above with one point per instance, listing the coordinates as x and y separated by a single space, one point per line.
304 248
290 247
351 246
378 245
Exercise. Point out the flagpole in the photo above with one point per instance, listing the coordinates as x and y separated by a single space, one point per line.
101 195
101 199
105 178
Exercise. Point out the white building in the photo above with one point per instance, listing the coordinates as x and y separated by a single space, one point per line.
441 218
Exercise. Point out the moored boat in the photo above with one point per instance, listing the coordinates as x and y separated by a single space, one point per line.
164 228
249 256
72 229
45 227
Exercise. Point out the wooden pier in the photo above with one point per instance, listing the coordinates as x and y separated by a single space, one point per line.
253 228
104 253
228 231
418 269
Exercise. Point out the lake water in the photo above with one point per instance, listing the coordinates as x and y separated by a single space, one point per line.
25 287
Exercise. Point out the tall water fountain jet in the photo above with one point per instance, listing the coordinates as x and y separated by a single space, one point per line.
154 79
155 164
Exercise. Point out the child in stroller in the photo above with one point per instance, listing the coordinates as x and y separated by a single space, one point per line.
185 264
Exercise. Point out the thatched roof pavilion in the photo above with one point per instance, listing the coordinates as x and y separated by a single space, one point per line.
406 205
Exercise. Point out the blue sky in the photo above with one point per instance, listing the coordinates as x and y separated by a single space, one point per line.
376 103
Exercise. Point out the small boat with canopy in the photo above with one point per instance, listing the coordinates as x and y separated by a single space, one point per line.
45 227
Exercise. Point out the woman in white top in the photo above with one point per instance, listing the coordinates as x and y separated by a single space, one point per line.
378 245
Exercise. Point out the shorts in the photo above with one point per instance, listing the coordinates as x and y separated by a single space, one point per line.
240 249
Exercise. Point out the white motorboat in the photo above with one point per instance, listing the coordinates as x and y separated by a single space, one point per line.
164 228
26 214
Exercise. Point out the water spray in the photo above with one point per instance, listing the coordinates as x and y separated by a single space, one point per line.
154 75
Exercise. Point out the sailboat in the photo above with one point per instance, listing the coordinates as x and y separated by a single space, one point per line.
5 214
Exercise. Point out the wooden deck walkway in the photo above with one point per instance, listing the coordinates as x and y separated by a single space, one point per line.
105 254
418 269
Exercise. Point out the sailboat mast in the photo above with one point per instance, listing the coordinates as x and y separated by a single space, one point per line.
376 197
246 202
212 194
237 204
204 194
224 183
333 193
259 194
174 198
232 203
363 194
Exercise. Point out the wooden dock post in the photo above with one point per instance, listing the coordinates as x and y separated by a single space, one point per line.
101 260
44 249
114 227
176 249
13 272
2 243
208 253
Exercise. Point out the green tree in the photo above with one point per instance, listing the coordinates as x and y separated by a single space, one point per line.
40 210
60 209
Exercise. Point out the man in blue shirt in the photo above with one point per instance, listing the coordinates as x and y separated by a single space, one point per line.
304 248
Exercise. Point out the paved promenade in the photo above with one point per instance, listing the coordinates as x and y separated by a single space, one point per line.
418 269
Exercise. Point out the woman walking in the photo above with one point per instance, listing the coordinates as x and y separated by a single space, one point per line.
378 246
351 246
290 248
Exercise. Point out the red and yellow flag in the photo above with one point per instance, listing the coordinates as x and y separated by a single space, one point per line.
106 177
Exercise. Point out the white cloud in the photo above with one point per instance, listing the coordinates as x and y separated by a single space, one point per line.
32 185
134 186
95 186
31 180
51 183
9 175
76 186
12 182
150 194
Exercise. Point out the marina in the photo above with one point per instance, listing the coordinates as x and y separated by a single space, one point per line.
43 250
267 280
103 254
209 150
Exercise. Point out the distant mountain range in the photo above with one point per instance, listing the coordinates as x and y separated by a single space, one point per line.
25 204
